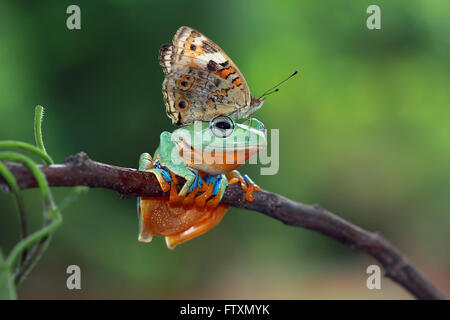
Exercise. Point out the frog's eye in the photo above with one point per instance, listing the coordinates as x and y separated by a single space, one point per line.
222 126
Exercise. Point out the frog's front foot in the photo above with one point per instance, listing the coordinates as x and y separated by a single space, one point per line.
193 185
168 179
214 187
247 184
190 188
162 175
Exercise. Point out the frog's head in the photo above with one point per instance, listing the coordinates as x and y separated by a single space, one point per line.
220 145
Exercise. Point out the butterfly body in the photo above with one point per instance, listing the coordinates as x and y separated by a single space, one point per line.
202 81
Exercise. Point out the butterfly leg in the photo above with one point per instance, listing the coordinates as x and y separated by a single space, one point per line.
247 184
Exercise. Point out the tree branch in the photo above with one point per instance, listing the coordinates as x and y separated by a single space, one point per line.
79 170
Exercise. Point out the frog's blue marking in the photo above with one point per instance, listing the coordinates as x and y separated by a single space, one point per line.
165 172
217 183
246 180
208 179
217 180
197 182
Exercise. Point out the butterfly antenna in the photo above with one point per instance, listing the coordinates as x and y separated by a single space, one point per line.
275 88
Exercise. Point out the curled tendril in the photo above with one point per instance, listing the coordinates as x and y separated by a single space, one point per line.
13 273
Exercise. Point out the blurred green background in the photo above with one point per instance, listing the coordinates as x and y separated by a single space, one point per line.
364 131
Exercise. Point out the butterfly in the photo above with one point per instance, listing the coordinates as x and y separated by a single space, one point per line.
201 81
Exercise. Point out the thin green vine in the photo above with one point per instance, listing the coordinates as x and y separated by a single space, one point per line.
11 144
38 118
15 190
12 270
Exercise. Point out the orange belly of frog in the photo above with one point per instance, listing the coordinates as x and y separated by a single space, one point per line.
178 223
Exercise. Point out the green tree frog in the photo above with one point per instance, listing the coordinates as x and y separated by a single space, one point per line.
206 155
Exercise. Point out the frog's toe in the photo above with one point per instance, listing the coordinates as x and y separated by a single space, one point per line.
170 243
196 186
201 199
215 188
247 185
162 175
189 199
238 178
192 186
173 196
220 185
145 162
214 201
145 238
251 187
163 179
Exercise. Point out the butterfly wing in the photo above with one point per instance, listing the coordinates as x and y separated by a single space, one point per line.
201 80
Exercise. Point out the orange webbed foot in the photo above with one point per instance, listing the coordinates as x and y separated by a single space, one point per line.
214 187
247 184
146 163
173 196
191 197
201 199
214 201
